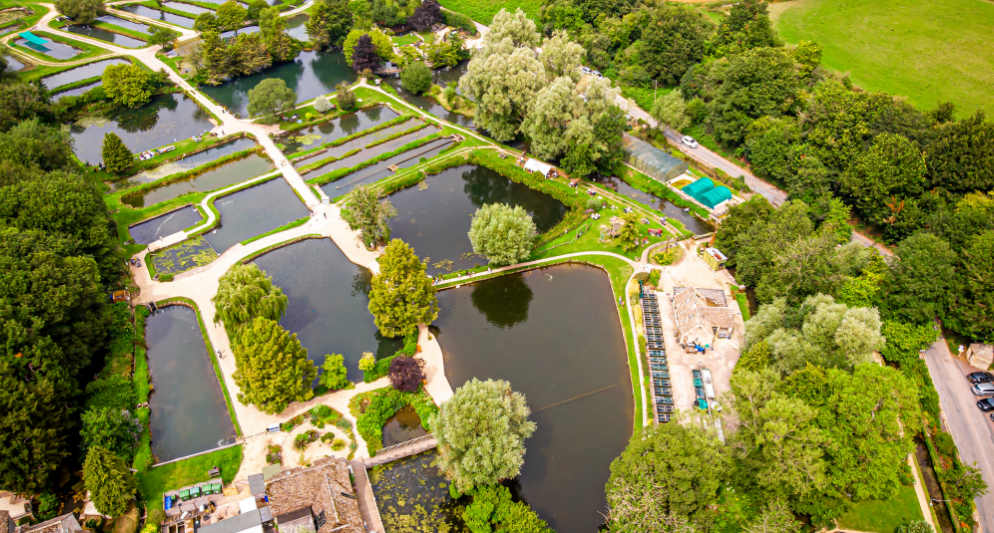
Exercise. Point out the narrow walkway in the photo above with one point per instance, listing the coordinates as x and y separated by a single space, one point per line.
402 450
364 493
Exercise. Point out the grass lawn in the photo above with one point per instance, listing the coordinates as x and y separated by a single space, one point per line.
410 38
483 11
590 240
645 97
883 516
743 302
930 51
155 481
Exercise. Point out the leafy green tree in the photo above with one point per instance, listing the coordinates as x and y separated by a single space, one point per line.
164 37
345 97
329 23
272 367
628 236
756 358
671 110
595 146
115 430
129 85
492 509
81 11
425 15
669 473
273 28
333 373
230 16
481 433
245 293
416 77
368 213
550 115
775 518
49 506
747 26
918 285
918 526
501 233
672 42
217 61
254 9
891 170
402 295
381 43
322 104
515 26
34 145
962 157
109 481
250 54
22 102
561 57
271 96
367 362
207 22
975 312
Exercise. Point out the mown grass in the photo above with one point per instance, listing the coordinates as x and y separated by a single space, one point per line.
483 11
883 516
410 38
152 483
930 51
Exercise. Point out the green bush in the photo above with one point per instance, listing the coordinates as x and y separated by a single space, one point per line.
338 445
166 277
944 444
373 408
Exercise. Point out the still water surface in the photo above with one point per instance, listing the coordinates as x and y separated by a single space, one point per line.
155 14
104 35
149 231
254 211
227 174
80 73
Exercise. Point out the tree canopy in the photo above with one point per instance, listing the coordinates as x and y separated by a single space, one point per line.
272 368
244 293
501 233
271 96
370 214
109 481
416 77
402 295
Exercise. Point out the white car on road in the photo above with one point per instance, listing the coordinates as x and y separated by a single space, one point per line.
689 141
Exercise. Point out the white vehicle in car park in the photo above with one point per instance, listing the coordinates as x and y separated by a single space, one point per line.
585 70
983 389
597 73
689 141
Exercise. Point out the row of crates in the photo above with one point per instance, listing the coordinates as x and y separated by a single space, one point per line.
659 369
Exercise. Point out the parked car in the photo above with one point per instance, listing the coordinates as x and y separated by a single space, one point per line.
987 404
597 73
980 377
689 141
585 70
983 389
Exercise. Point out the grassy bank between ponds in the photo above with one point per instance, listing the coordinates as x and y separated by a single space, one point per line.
342 172
88 50
205 5
42 71
342 140
141 379
397 135
290 225
189 174
313 117
152 483
152 5
183 149
255 255
326 161
179 300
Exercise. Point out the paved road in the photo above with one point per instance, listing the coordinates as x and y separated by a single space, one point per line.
971 429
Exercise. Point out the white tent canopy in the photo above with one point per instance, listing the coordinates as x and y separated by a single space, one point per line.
534 165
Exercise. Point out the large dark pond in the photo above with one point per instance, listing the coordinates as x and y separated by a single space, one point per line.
554 334
80 73
13 65
187 163
691 222
149 231
227 174
325 132
155 14
436 220
254 211
310 75
188 412
328 304
166 119
51 49
105 35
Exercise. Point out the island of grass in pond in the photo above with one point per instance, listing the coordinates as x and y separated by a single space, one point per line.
378 171
435 220
188 412
325 132
413 496
365 154
328 302
150 231
230 173
166 119
254 211
187 163
555 335
187 255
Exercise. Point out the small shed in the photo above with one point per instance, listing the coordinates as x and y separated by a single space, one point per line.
714 258
715 196
257 485
545 169
651 160
980 355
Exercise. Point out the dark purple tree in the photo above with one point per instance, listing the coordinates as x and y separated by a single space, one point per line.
425 15
364 54
406 374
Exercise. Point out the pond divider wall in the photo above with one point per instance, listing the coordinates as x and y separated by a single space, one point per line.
176 460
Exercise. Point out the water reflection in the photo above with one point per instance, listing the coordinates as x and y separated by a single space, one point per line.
230 173
76 92
105 35
254 211
402 427
504 305
161 226
325 132
328 302
122 23
156 14
187 163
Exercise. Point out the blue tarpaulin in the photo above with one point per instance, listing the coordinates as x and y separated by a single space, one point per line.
32 38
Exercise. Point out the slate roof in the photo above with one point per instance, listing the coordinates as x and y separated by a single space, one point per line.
325 487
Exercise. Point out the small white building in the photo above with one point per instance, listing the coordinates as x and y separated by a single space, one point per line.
545 169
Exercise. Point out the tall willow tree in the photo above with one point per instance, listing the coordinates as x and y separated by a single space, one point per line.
245 293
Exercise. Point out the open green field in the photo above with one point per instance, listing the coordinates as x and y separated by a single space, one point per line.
883 516
930 51
483 11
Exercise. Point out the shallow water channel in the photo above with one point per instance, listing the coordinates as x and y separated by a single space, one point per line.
124 23
188 412
155 14
687 218
554 334
365 154
254 211
77 91
85 72
310 75
166 119
378 171
436 220
359 142
229 173
51 49
328 302
187 163
325 132
106 35
149 231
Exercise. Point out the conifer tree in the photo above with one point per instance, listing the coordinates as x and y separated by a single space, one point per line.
117 157
272 367
402 295
109 481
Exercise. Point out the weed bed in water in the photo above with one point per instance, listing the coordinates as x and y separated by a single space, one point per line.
413 496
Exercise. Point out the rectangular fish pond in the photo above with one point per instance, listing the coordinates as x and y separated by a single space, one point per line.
168 118
187 8
413 496
155 14
85 72
378 171
365 154
359 142
254 211
76 91
328 131
434 217
230 173
124 23
187 163
176 220
310 75
106 35
188 411
51 49
555 335
178 258
328 302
